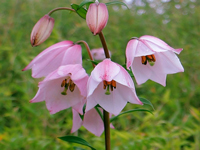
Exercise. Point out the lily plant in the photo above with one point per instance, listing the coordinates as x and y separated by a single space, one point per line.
99 98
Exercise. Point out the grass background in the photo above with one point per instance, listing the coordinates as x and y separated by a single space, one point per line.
176 121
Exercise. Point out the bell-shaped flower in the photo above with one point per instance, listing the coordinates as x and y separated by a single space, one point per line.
91 121
98 54
63 88
111 87
42 30
97 17
151 58
62 53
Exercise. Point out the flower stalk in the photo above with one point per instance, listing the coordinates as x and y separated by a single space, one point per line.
60 8
103 42
107 129
105 113
88 50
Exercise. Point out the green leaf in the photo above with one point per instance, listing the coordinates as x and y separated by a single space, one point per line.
129 111
146 101
85 2
99 112
116 2
94 62
79 10
76 139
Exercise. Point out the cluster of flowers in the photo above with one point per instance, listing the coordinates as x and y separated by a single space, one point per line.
66 83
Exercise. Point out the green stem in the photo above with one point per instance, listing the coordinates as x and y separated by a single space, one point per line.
60 8
105 113
107 129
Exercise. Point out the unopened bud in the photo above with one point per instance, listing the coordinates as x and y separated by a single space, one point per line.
42 30
97 17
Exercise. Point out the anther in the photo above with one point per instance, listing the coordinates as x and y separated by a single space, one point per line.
150 58
67 84
144 60
109 85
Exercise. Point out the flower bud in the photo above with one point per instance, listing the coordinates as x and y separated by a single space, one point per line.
42 30
97 17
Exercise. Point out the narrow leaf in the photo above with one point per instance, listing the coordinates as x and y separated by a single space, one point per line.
84 2
99 112
129 111
146 101
76 139
116 2
79 10
94 62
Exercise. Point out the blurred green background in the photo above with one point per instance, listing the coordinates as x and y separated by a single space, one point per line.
175 123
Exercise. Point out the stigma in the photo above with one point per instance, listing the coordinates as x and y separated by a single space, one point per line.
150 58
67 84
109 85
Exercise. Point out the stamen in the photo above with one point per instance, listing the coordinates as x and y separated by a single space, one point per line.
109 85
144 60
104 84
113 83
63 83
67 84
71 85
150 58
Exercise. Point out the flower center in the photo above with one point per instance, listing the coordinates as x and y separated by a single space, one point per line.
150 58
67 84
109 85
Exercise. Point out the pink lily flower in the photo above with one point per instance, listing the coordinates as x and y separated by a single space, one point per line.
98 54
97 17
63 88
91 121
151 58
42 30
111 87
62 53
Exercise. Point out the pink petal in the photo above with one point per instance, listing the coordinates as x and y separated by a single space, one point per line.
166 63
112 103
50 89
97 17
106 70
39 97
77 121
93 122
91 17
55 101
130 53
157 45
102 18
42 30
98 54
62 53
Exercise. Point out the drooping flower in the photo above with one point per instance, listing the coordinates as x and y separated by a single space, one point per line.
63 88
42 30
98 54
111 87
97 17
91 121
151 58
62 53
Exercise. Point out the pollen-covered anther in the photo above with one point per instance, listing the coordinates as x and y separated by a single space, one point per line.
149 58
109 85
67 84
